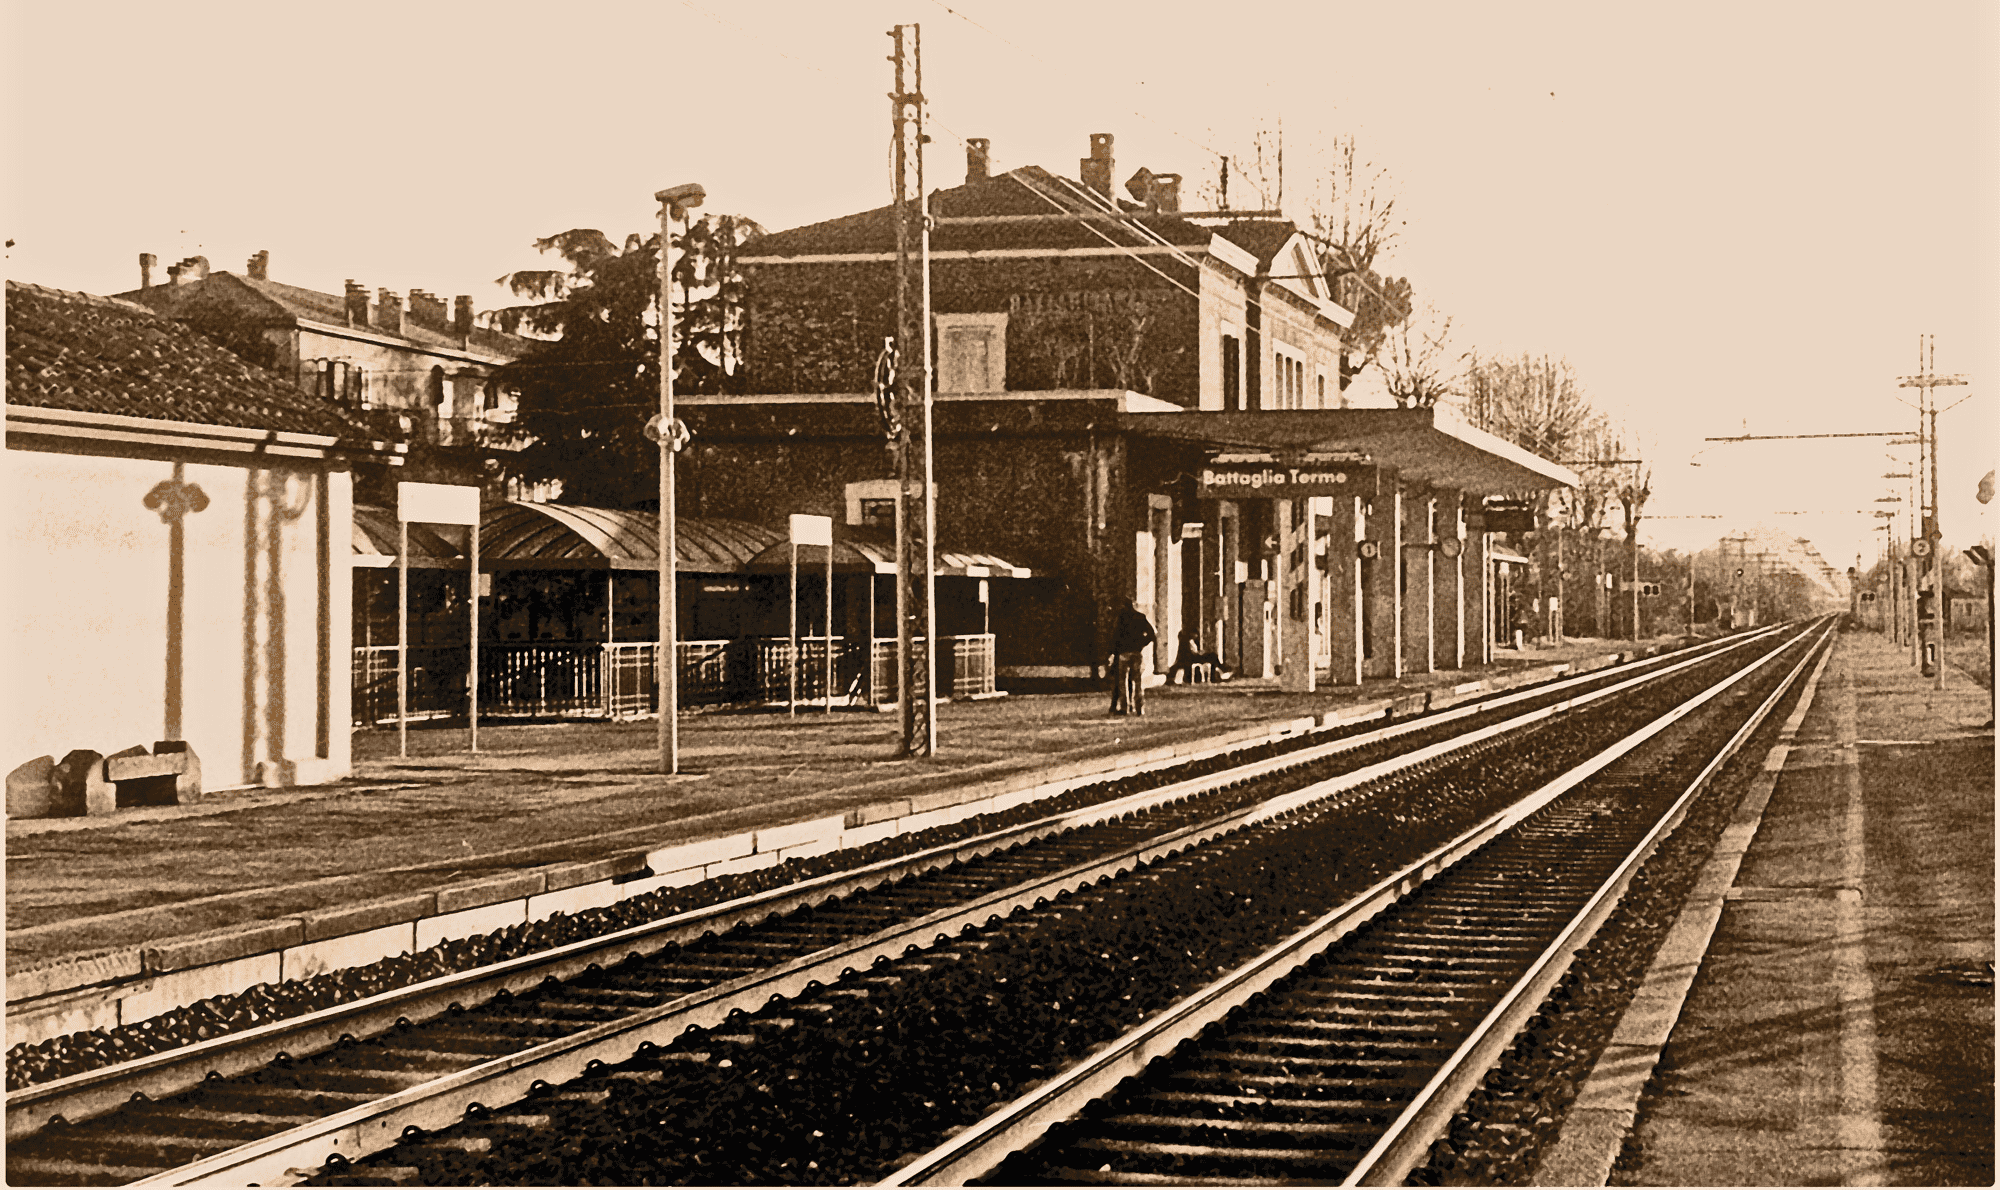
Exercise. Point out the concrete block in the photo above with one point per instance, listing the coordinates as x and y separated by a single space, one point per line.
875 812
861 836
187 784
338 922
137 763
808 850
575 899
1067 771
558 877
348 950
923 822
153 778
743 863
168 992
470 923
69 974
30 791
1018 797
1361 710
680 879
62 1016
798 834
922 803
491 890
79 786
701 852
222 946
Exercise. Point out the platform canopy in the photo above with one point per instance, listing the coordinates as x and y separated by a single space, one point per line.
1429 446
574 537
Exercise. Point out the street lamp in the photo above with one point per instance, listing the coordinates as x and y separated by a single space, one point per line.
675 202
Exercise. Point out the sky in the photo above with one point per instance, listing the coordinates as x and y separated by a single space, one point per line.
1730 218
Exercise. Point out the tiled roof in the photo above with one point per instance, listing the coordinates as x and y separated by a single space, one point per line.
1029 190
93 354
274 302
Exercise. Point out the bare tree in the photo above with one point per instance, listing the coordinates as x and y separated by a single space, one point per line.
1535 403
1346 205
1418 365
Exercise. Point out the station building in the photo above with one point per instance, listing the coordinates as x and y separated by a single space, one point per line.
1132 402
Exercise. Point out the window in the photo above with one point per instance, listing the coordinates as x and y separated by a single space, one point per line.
1291 380
972 353
1232 372
335 380
872 502
878 510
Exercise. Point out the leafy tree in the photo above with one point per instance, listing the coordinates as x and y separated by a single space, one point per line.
586 391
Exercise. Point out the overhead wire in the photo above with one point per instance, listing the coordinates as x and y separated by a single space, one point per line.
1170 130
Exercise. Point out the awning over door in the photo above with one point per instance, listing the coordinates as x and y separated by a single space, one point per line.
865 551
1429 446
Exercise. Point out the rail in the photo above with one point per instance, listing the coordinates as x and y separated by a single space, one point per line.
374 1126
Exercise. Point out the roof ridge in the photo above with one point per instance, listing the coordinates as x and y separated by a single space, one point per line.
78 294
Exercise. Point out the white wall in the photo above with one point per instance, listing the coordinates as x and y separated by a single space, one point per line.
90 566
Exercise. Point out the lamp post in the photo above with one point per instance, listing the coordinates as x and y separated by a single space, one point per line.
675 202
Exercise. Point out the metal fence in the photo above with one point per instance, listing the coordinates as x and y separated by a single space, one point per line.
617 681
437 682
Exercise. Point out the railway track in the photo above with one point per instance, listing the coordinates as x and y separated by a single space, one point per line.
269 1113
1343 1055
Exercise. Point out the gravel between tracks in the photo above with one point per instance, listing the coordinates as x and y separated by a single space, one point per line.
1499 1136
929 1044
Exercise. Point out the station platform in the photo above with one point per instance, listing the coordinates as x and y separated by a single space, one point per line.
162 902
1822 1011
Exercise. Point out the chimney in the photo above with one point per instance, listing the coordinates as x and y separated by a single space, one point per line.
428 309
978 160
194 268
461 317
389 311
1095 170
1160 192
146 262
357 304
259 267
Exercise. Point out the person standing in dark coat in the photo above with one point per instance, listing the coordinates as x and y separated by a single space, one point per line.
1128 641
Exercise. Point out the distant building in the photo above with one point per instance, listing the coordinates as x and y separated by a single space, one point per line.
428 369
179 533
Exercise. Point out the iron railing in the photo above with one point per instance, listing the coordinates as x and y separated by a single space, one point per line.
618 681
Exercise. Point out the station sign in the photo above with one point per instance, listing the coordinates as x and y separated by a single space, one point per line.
1281 481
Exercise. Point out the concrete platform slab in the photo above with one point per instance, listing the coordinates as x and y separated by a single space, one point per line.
1839 1026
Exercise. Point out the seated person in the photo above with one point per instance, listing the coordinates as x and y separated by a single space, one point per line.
1191 656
